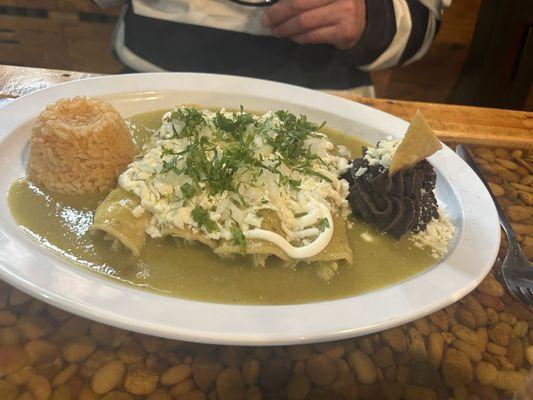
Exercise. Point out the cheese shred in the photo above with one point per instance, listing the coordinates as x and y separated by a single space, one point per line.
437 235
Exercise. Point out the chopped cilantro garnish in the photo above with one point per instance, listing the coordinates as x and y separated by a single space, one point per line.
290 138
168 165
323 224
235 126
309 171
192 118
292 183
238 236
188 190
217 163
201 217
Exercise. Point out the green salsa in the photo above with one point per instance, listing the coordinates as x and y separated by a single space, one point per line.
193 271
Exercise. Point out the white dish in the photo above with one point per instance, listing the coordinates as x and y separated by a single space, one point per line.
33 269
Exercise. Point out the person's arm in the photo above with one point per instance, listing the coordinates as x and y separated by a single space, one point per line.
379 33
398 32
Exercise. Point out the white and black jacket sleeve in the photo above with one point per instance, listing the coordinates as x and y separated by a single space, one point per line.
397 32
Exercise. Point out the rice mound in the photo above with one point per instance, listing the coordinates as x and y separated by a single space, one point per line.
79 145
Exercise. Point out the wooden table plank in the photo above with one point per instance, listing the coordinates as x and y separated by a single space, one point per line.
453 124
463 124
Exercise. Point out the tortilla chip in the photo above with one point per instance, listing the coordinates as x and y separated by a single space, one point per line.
418 144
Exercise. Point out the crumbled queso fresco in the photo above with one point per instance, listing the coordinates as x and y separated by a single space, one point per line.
381 154
213 172
437 235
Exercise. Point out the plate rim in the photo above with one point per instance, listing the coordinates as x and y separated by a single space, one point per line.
88 310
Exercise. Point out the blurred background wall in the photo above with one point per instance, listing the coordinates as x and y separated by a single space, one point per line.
482 55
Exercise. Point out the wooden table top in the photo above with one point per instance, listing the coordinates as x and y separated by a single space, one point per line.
480 347
453 124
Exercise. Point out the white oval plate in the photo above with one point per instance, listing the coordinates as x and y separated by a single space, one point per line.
35 270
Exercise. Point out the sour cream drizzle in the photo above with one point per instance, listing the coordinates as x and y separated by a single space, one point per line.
297 253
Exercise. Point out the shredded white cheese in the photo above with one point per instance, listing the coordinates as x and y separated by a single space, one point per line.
437 235
303 206
382 153
138 212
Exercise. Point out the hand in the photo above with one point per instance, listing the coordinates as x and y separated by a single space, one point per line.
337 22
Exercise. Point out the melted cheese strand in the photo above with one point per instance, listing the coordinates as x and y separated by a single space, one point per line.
298 253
